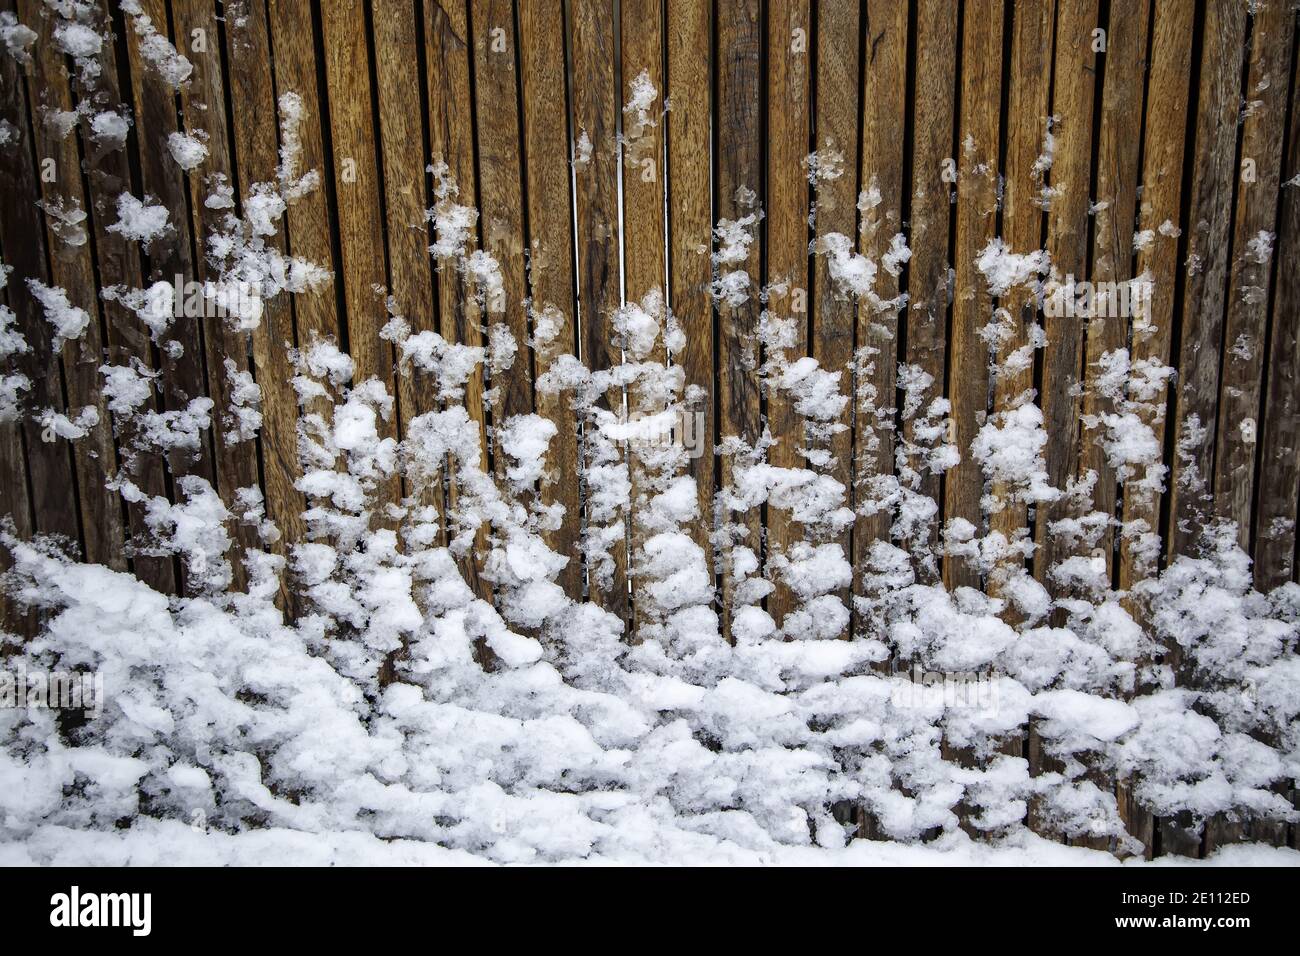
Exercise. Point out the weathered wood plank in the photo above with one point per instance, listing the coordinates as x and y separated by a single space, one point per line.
929 288
496 84
356 178
789 108
739 184
1208 226
72 267
1246 327
203 104
1119 145
1028 106
451 142
977 211
882 176
53 487
1279 436
690 231
1162 170
644 260
1074 84
550 225
256 149
595 102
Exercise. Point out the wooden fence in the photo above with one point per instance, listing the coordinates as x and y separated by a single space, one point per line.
1126 137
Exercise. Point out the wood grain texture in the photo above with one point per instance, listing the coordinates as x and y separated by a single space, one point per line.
1073 89
501 204
644 253
739 184
883 177
1027 121
357 192
1209 229
172 254
203 111
594 89
1279 436
53 484
451 141
1162 168
72 267
118 261
977 211
835 131
550 275
789 112
255 137
690 227
1254 221
1119 145
929 287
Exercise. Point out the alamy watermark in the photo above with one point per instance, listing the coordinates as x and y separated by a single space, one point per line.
52 690
964 690
1099 300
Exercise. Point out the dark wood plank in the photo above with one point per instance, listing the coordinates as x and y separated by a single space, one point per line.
1073 87
595 93
882 176
550 224
739 183
72 268
1246 325
1279 436
977 211
789 111
644 261
690 230
1028 106
1208 227
928 286
1119 143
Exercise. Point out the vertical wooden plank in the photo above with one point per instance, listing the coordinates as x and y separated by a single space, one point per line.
550 224
1279 437
53 485
72 267
500 188
884 109
1067 242
357 202
402 149
1208 228
107 175
15 503
595 91
789 24
928 285
172 255
977 211
739 183
203 102
256 149
837 141
690 229
1119 143
451 141
1162 169
308 220
1028 106
1246 328
644 260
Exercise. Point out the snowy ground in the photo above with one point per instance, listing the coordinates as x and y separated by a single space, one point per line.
176 844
